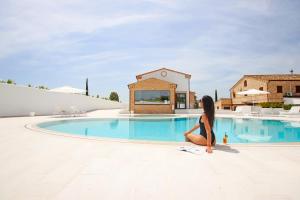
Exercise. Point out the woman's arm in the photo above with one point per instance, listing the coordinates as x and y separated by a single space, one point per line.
208 132
192 130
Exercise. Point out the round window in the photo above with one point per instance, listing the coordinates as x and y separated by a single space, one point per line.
163 73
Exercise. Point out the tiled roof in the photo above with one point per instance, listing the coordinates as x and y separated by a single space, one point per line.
274 77
271 77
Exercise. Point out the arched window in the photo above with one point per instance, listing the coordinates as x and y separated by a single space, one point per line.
233 94
245 83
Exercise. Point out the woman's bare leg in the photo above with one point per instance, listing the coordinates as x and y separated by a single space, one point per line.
196 139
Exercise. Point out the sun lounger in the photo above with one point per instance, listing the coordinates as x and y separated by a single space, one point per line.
59 112
255 110
248 110
71 112
295 110
243 110
75 112
270 111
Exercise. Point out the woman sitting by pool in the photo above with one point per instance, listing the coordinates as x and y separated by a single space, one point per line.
206 121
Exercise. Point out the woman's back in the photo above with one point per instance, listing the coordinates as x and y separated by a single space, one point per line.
203 131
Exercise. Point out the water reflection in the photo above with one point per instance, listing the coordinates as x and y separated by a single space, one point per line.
114 123
252 130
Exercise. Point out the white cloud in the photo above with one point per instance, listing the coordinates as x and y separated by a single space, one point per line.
31 24
262 6
217 42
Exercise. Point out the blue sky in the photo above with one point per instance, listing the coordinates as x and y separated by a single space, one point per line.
61 42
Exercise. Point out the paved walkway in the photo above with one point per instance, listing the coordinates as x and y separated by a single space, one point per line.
40 166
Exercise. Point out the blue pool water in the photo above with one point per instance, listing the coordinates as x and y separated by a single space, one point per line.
172 129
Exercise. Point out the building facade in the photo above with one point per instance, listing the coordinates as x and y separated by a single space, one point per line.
279 86
223 104
160 91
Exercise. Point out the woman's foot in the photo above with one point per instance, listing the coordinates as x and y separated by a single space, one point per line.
186 133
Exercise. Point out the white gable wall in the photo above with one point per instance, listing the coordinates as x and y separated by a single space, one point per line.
173 77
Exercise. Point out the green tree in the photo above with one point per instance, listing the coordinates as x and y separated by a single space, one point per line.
9 81
114 96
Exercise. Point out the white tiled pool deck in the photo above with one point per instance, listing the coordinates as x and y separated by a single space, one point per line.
36 165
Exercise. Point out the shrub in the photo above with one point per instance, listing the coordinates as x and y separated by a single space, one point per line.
114 96
271 105
276 105
287 106
29 85
42 87
264 105
9 81
98 96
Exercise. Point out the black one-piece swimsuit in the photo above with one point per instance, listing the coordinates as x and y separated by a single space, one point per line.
203 131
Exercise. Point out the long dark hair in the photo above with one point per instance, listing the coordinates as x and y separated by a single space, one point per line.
209 109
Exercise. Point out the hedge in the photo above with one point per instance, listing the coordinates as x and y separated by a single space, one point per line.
275 105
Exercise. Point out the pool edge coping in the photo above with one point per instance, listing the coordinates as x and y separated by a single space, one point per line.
35 128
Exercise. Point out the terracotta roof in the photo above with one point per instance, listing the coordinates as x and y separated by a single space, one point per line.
188 75
271 77
275 77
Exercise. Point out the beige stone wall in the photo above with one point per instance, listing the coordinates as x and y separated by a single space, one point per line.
270 86
153 109
223 102
218 105
192 99
152 84
251 84
287 86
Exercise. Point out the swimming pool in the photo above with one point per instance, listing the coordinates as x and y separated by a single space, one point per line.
172 129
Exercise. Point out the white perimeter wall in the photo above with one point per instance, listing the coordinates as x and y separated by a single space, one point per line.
293 101
21 100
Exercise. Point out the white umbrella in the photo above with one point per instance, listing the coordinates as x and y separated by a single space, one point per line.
253 92
68 89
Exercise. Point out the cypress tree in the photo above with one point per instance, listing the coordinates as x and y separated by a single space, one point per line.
87 87
216 96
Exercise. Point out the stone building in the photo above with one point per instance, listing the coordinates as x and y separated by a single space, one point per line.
223 104
160 91
279 86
